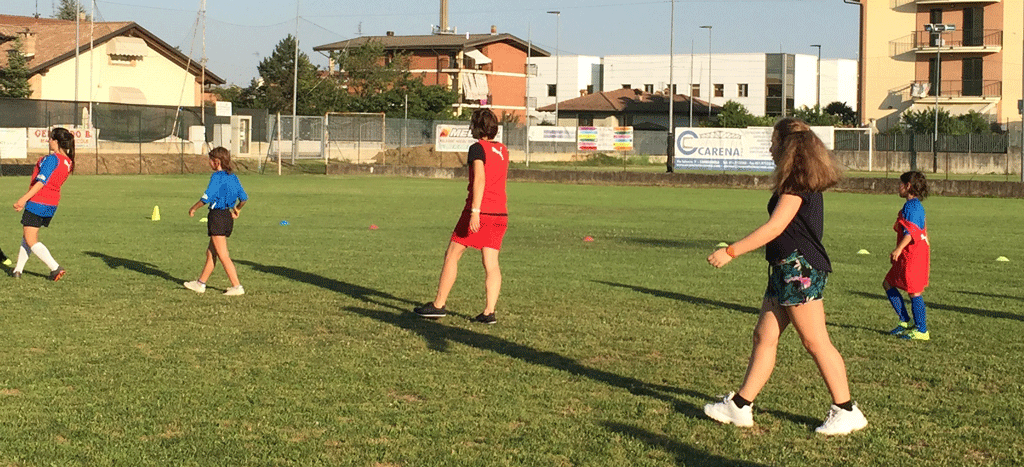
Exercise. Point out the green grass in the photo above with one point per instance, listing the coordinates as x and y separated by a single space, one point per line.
603 355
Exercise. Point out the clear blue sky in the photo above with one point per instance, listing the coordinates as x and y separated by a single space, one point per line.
239 33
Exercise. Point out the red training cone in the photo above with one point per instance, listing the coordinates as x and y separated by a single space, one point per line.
588 238
374 227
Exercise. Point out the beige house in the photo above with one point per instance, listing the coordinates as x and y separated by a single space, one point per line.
117 62
907 66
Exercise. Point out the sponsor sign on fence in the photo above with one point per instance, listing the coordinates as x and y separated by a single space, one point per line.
13 143
456 138
554 134
39 138
591 138
731 148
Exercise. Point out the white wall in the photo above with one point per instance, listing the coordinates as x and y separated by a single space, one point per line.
163 82
575 73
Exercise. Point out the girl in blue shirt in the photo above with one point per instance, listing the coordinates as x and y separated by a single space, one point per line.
221 194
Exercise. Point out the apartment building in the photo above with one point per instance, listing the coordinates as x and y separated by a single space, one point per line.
972 62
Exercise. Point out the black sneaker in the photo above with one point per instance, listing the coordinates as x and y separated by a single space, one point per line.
56 274
428 310
485 319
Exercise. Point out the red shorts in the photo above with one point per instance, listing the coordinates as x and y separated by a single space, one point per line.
492 231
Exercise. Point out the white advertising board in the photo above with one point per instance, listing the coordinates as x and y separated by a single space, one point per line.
456 138
13 143
559 134
732 148
39 138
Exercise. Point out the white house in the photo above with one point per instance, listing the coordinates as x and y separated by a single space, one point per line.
117 62
577 75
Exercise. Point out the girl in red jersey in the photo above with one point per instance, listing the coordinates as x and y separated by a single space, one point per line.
484 218
41 199
910 259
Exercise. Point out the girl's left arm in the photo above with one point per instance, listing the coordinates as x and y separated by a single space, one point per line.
32 190
192 210
237 209
783 214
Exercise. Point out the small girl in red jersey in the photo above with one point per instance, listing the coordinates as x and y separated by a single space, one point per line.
910 259
41 199
484 219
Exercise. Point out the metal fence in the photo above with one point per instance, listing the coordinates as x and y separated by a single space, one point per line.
968 144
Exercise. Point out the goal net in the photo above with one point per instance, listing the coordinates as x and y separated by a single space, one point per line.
301 137
354 136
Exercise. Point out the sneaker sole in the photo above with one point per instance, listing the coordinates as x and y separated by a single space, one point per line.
842 433
725 420
59 275
431 315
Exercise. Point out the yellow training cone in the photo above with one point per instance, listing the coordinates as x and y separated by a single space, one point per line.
202 220
156 213
722 245
1002 258
863 252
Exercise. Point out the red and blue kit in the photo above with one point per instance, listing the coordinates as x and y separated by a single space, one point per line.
910 271
50 170
493 208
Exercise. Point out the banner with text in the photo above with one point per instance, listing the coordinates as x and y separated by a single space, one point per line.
553 134
732 148
13 143
456 138
602 138
39 138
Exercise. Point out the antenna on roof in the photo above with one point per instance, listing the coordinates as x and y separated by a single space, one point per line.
443 28
359 29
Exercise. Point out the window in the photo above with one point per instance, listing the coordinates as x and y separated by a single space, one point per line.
972 85
649 88
742 90
719 90
974 27
933 78
627 86
674 92
552 90
695 90
935 17
590 89
585 120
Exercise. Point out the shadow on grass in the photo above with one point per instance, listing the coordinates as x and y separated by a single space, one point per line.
989 295
149 269
438 336
708 245
958 309
716 303
684 455
357 292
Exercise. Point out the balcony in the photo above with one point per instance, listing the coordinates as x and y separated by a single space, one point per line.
968 91
946 2
960 41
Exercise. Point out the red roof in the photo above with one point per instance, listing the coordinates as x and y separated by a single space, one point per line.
629 101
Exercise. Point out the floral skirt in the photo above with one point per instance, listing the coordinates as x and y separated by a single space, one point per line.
793 281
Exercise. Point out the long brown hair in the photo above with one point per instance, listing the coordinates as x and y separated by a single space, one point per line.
66 142
802 162
918 184
224 156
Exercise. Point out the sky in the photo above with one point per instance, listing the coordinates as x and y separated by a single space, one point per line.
240 33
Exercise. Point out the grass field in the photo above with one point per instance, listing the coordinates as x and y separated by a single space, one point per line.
603 355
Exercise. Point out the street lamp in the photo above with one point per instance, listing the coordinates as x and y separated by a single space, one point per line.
817 95
711 86
937 30
670 159
558 35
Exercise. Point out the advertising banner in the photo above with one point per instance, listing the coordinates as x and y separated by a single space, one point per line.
605 138
725 149
39 138
553 134
456 138
13 143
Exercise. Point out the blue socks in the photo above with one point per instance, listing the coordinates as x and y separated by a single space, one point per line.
917 306
897 304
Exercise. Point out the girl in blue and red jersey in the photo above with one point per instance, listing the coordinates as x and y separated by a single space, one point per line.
221 194
40 201
910 259
484 219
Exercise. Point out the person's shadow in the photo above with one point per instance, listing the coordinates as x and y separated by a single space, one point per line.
149 269
685 455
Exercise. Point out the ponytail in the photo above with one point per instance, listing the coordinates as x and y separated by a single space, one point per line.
66 142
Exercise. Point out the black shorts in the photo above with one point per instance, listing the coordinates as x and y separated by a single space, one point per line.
220 223
29 219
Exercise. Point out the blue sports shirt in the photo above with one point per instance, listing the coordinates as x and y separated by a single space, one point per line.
224 190
913 211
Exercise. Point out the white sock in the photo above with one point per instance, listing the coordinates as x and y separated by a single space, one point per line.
44 254
23 254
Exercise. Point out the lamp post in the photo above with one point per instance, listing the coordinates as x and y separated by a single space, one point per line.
670 159
558 36
937 29
711 86
817 94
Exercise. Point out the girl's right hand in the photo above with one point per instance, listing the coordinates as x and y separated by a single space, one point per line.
719 258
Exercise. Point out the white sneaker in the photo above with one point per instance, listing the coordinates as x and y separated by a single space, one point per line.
842 422
196 286
237 290
727 412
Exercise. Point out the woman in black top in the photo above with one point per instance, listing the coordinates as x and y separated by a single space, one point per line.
798 272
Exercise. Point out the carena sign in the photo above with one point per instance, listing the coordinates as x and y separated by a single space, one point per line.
39 138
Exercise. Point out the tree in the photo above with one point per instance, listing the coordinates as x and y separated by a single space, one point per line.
735 115
813 116
273 89
69 10
923 122
846 114
14 77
